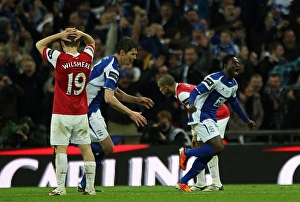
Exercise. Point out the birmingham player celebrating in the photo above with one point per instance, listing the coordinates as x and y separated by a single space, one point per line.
69 121
102 86
204 101
181 91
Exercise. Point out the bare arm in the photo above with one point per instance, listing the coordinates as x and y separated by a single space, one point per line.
41 44
124 97
85 37
117 105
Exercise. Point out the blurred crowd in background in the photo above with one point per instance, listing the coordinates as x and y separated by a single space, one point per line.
185 38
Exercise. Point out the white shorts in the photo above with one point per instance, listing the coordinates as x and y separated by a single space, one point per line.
206 130
67 129
222 126
98 128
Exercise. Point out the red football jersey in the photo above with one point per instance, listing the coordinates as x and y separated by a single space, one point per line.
71 76
182 94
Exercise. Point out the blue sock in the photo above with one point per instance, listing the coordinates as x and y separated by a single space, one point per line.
204 151
83 181
99 155
197 166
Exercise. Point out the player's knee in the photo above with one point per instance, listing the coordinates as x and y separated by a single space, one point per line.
217 145
218 148
109 149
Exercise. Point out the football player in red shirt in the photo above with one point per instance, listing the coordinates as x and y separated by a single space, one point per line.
69 122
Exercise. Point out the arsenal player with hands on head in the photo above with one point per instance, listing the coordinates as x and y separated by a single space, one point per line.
69 122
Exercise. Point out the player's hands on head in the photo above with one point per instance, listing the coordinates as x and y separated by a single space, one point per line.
251 124
64 35
146 102
72 31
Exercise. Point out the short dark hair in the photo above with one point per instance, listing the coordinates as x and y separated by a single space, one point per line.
166 79
226 59
273 45
274 75
126 44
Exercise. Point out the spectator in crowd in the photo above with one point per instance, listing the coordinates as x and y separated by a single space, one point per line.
32 83
278 95
165 133
9 93
228 18
256 81
226 46
251 104
173 61
240 34
158 39
99 49
145 58
166 17
217 10
75 20
24 134
275 56
84 11
290 44
264 30
191 19
199 38
291 120
140 24
194 68
288 72
147 87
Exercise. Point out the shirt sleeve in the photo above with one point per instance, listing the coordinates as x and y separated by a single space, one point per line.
238 109
206 85
51 56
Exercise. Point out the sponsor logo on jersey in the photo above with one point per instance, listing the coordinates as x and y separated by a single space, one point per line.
113 75
50 54
209 81
90 49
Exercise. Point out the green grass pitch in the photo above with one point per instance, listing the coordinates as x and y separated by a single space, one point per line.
232 193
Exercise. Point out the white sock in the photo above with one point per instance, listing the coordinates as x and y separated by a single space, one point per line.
213 167
90 170
201 180
61 164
